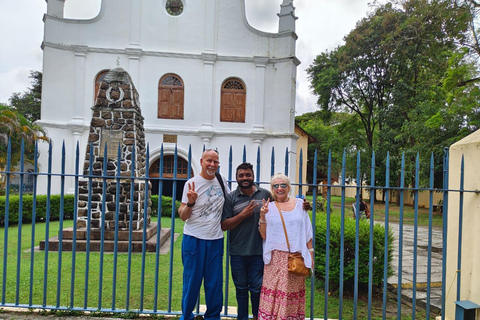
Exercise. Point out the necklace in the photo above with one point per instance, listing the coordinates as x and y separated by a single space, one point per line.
284 200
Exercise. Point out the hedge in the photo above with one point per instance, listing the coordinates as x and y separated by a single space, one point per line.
349 251
166 206
41 208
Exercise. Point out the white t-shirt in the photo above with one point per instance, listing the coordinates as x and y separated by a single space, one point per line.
299 230
204 223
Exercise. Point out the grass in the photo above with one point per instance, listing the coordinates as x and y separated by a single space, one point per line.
393 212
86 285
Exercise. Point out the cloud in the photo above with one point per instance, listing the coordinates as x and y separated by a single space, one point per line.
21 37
321 26
15 80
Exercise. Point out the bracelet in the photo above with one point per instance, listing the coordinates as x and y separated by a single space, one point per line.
262 221
190 204
311 249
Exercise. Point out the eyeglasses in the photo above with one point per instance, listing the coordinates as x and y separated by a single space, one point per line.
283 185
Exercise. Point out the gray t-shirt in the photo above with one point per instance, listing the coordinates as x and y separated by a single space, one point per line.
245 240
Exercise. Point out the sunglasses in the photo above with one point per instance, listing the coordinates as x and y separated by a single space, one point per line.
210 149
283 185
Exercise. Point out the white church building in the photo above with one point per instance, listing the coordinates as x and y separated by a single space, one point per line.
205 78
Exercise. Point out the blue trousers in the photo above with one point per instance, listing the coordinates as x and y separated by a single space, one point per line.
247 275
202 260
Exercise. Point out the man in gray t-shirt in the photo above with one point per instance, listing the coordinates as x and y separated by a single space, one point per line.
241 213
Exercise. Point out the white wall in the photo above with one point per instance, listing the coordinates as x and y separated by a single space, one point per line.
208 43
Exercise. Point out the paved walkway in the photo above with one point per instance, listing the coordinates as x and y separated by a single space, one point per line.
422 264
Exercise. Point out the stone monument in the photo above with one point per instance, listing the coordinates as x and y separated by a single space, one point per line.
116 123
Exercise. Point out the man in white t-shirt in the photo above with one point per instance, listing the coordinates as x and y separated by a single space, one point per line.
202 244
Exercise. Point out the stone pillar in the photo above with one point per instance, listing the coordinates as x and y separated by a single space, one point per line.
116 120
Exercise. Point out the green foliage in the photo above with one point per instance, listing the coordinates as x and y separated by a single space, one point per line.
349 251
166 206
17 130
406 75
28 103
322 205
40 211
334 132
68 211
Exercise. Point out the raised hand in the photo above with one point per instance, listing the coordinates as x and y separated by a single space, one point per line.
264 208
306 205
248 210
192 194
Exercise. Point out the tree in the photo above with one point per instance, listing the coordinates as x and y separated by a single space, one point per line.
391 74
333 132
15 128
28 103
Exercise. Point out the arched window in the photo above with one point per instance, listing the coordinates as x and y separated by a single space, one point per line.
232 101
98 81
170 97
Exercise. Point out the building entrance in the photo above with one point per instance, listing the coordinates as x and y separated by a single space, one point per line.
168 172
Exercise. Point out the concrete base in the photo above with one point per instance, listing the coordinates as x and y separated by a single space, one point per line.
109 240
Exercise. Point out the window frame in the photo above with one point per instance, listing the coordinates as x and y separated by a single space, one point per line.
233 113
175 95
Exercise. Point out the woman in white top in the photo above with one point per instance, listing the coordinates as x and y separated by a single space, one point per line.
283 294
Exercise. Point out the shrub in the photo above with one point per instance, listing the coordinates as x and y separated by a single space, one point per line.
166 207
69 200
322 204
41 208
349 251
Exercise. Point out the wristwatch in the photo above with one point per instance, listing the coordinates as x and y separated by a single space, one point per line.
190 204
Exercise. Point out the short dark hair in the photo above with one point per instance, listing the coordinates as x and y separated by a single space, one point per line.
244 166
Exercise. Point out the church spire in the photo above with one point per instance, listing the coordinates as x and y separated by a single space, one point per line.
287 17
55 8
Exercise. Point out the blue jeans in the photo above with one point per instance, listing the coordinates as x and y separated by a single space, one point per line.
247 275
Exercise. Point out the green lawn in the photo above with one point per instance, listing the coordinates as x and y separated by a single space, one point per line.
90 297
393 212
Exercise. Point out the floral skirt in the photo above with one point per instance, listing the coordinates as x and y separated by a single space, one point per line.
283 294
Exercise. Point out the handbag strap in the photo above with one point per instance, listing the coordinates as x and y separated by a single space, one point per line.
283 223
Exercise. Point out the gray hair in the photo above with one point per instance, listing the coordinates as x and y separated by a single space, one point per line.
282 177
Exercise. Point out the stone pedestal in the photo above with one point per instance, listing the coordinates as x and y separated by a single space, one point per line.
94 243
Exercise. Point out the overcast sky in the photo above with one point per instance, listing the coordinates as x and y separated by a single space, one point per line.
321 26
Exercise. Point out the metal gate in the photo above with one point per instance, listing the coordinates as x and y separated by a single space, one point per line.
149 282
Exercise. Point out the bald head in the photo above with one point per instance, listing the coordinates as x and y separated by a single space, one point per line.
209 163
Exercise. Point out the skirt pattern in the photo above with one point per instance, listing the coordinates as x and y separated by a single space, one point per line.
282 296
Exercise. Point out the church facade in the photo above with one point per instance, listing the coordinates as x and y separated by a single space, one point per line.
205 78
